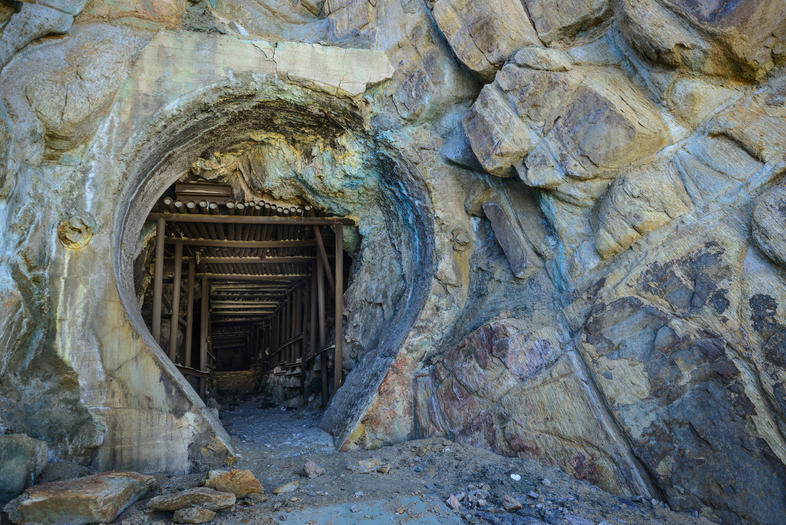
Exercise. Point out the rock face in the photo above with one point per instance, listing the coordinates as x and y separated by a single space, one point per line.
570 242
22 459
92 499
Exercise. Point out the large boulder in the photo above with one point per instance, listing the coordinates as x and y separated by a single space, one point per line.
22 459
484 34
92 499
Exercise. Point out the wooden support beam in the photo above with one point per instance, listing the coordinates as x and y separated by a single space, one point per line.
296 259
323 255
251 219
158 278
227 243
190 313
253 277
175 317
338 368
204 320
323 360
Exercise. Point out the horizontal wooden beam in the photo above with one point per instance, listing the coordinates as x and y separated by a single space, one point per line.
187 370
226 243
219 303
253 277
251 219
239 320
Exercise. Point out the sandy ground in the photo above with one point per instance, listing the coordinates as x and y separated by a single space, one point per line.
274 444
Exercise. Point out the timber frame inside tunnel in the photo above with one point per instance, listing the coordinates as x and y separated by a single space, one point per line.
257 276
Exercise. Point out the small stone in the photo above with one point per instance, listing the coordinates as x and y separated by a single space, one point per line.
418 469
532 494
359 494
515 477
453 503
577 520
366 466
256 498
287 487
509 503
193 515
421 451
312 470
546 481
354 508
200 496
239 482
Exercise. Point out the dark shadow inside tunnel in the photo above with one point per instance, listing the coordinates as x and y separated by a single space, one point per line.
244 293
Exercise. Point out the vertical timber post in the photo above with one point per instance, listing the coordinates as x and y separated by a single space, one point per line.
338 359
203 318
174 320
190 312
158 278
322 356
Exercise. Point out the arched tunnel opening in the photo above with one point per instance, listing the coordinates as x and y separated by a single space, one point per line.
245 294
313 159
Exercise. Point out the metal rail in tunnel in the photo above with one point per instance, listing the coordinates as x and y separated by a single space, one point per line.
263 275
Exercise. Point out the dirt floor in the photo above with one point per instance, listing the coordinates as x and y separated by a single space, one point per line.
423 475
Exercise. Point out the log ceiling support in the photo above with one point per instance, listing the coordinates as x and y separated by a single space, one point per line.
262 273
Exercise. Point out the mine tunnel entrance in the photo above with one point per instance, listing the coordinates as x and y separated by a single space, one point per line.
245 295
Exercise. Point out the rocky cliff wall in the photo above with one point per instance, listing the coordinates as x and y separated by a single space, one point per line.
594 193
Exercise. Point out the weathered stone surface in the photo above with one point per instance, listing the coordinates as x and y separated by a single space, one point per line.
70 86
757 121
664 378
483 35
475 395
564 19
22 459
713 165
31 22
638 202
554 126
736 38
498 138
769 224
92 499
193 515
241 483
200 496
510 237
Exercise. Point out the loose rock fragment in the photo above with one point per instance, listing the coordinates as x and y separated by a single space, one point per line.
509 503
287 487
194 514
366 466
199 496
241 483
312 470
454 503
